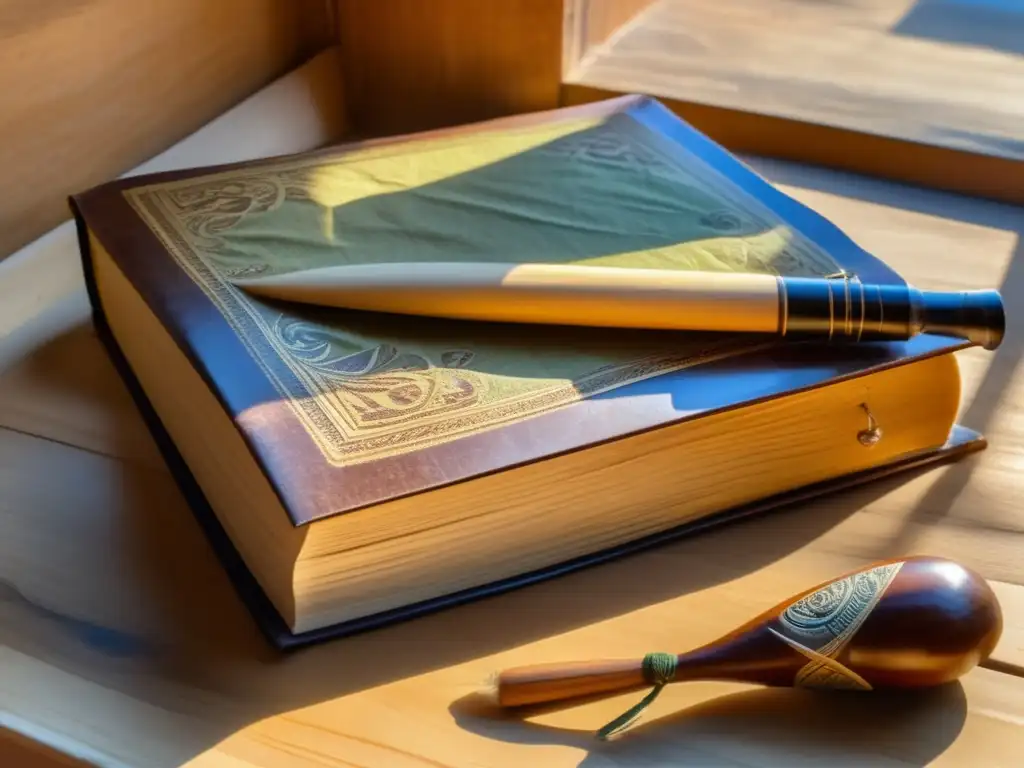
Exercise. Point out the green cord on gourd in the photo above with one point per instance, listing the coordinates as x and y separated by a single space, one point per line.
659 669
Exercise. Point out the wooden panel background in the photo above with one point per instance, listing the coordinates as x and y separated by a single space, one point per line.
413 65
91 88
854 85
590 23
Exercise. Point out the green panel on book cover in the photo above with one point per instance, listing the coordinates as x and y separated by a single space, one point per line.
588 191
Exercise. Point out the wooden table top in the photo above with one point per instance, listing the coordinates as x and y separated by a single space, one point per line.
124 644
943 72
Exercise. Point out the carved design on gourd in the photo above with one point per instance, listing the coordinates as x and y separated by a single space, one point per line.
821 624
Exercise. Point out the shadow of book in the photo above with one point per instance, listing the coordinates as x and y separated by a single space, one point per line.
997 380
144 608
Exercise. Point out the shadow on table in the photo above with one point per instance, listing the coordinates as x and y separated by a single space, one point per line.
980 413
993 24
138 603
762 726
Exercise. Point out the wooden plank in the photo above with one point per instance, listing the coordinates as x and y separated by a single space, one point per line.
418 64
319 24
855 64
20 751
122 642
92 88
1009 654
55 380
849 85
590 23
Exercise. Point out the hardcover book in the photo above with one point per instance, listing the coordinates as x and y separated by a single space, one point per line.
354 468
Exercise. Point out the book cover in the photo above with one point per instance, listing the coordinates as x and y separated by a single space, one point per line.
347 409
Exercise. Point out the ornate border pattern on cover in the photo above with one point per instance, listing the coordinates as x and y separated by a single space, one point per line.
365 395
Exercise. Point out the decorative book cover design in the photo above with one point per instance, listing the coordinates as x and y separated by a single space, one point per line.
586 191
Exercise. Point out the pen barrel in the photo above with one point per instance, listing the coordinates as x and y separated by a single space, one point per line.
683 300
551 294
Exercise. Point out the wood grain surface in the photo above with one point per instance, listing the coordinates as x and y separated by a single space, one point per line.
44 304
91 88
418 64
929 92
591 23
122 643
947 72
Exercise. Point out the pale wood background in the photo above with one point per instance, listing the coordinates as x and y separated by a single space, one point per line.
123 643
870 65
91 88
929 92
591 23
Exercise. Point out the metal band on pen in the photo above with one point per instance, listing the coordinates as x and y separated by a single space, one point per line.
860 328
812 307
831 311
849 314
783 306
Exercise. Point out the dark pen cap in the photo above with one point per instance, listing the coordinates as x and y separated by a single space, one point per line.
977 316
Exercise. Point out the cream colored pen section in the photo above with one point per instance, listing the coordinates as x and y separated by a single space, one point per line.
540 293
